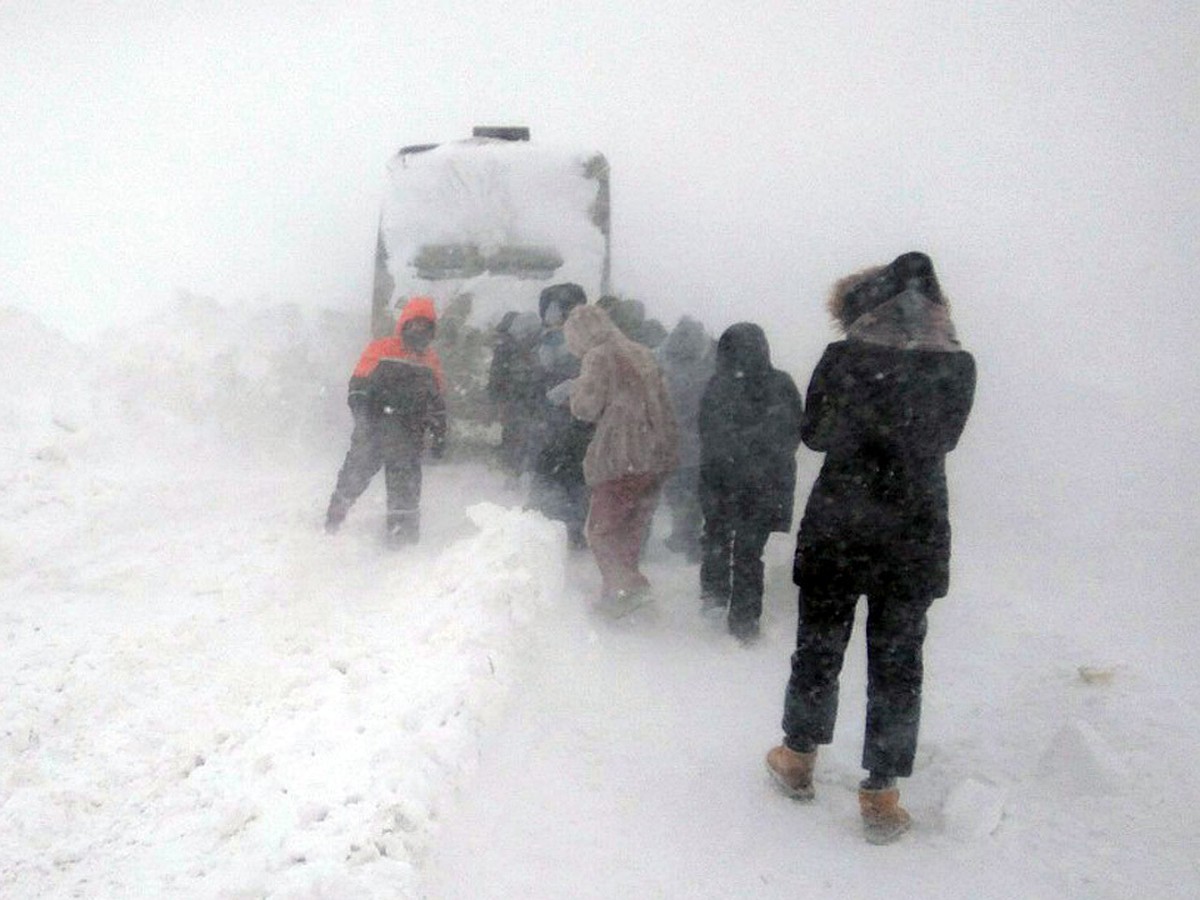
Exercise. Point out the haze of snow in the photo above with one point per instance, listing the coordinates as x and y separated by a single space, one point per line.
208 697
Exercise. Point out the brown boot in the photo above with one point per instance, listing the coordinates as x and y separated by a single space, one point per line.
884 819
792 771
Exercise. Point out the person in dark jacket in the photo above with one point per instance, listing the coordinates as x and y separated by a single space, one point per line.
750 417
558 489
688 359
396 397
515 386
885 406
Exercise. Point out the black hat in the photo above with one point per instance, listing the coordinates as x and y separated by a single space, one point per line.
567 295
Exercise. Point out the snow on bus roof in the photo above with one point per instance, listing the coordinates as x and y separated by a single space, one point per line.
494 195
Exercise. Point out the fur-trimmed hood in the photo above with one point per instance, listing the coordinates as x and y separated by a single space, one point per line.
846 301
908 321
898 305
587 327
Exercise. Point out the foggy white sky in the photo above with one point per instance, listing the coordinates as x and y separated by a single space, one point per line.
1044 154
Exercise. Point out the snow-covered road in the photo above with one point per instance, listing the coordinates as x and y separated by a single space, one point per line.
205 696
631 766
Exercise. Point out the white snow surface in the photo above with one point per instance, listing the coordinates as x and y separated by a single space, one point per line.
205 696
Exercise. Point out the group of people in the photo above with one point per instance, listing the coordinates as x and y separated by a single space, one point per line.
606 414
542 441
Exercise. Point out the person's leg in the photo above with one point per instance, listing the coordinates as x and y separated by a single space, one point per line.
363 460
716 549
402 470
746 590
524 426
577 498
896 627
691 519
616 508
510 438
605 515
810 702
811 699
644 491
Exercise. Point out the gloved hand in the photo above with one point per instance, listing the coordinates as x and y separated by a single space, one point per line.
560 394
437 449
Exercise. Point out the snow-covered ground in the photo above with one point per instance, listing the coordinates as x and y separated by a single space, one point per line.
207 697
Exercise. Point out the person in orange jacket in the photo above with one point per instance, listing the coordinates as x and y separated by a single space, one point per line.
396 397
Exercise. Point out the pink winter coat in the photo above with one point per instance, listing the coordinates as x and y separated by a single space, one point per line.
621 389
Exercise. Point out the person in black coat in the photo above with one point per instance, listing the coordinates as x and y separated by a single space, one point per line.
397 398
688 360
885 405
558 489
515 386
750 416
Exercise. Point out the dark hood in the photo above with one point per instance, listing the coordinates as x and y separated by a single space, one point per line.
687 341
743 352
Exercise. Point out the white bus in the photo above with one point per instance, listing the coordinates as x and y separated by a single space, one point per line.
495 217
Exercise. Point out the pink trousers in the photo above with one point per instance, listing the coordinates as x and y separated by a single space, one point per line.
618 519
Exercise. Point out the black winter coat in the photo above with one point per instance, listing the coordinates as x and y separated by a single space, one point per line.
750 417
877 516
404 404
565 439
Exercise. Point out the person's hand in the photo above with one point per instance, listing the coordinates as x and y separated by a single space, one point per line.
438 448
560 394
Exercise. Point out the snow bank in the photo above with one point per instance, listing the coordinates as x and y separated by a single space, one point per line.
283 736
262 378
256 379
198 383
206 696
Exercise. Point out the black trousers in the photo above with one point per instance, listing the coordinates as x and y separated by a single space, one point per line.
731 566
896 626
682 493
375 445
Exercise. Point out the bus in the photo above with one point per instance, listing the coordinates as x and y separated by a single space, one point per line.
489 221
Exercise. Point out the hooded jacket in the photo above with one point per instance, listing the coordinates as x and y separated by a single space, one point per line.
514 375
885 406
687 361
621 389
396 392
749 431
393 348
